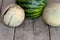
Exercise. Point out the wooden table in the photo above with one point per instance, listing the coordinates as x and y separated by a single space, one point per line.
30 30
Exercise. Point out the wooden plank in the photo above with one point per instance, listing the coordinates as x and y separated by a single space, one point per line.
51 1
25 32
55 32
28 33
7 3
6 33
41 31
0 3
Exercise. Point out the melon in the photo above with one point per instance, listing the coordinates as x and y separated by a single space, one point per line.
51 14
13 15
33 8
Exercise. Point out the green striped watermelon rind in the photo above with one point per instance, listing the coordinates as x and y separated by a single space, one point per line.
34 15
32 9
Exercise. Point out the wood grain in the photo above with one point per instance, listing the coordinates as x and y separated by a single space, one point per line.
53 1
30 31
0 4
25 31
41 31
7 3
55 33
6 33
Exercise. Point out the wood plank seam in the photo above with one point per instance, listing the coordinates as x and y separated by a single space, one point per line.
14 34
48 30
49 33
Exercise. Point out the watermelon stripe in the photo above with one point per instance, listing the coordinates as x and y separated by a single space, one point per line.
24 2
45 2
33 10
35 16
30 6
28 3
42 3
31 3
38 7
37 13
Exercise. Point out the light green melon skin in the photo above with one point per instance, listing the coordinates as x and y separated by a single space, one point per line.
51 14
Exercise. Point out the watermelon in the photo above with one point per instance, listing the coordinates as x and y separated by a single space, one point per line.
33 8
